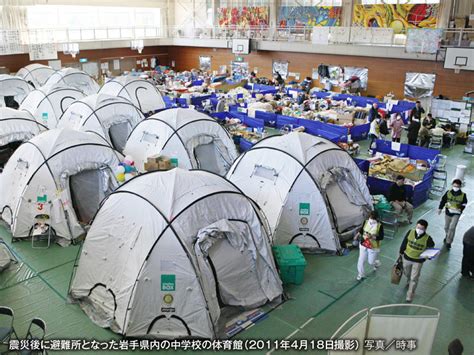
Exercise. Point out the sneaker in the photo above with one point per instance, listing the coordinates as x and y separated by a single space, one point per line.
408 300
359 277
448 246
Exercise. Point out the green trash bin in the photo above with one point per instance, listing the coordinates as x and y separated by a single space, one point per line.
290 262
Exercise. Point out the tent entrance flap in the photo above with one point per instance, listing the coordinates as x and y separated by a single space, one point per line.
88 188
7 151
227 256
118 135
210 155
348 214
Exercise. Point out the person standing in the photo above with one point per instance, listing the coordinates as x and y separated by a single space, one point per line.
398 198
413 130
373 112
455 201
416 241
383 127
369 237
417 111
374 131
427 125
467 269
397 128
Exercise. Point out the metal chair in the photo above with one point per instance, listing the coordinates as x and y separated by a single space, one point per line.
436 142
7 330
440 178
36 331
390 223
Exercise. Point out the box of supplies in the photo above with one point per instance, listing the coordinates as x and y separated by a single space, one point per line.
291 263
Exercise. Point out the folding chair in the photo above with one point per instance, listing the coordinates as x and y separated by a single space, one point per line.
436 142
36 331
389 220
440 178
7 330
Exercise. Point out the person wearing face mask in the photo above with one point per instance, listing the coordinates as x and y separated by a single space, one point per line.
369 237
398 199
396 125
455 202
416 241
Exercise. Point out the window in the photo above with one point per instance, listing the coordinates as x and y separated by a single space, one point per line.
91 17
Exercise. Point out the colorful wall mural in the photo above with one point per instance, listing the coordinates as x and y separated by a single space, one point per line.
244 17
300 16
398 17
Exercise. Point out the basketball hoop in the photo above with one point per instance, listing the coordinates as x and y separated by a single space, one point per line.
71 48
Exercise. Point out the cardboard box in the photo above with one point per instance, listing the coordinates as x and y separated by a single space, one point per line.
151 166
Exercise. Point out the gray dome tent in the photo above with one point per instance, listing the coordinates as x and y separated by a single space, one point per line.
170 253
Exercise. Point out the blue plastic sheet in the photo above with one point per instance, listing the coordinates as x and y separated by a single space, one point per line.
360 132
253 122
269 118
244 145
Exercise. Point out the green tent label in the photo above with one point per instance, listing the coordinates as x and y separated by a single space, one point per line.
168 282
43 198
45 116
304 209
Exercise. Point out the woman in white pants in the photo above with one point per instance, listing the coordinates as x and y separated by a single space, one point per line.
369 238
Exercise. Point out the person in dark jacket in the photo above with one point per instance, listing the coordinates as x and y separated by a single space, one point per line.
383 126
467 269
455 202
369 237
413 130
416 241
455 347
417 111
373 112
398 198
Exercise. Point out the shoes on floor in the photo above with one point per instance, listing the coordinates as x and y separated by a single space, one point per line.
377 264
409 300
448 246
359 277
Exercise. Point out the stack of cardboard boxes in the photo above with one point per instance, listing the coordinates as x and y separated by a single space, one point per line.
158 162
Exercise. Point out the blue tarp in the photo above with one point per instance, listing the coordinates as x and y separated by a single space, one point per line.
360 132
269 118
197 82
244 145
253 122
197 100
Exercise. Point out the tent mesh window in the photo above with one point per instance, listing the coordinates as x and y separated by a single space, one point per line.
265 172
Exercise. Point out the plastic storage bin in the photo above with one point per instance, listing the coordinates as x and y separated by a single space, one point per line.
291 263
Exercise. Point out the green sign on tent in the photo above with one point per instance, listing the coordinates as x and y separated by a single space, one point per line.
304 209
168 282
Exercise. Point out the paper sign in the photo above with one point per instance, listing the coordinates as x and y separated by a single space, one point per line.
43 198
168 282
396 146
116 64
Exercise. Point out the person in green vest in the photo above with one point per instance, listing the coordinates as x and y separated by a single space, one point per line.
455 202
369 237
416 241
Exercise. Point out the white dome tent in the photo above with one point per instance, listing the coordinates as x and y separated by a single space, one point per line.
113 118
13 88
307 186
195 139
49 102
37 74
16 127
171 253
142 93
62 173
75 78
